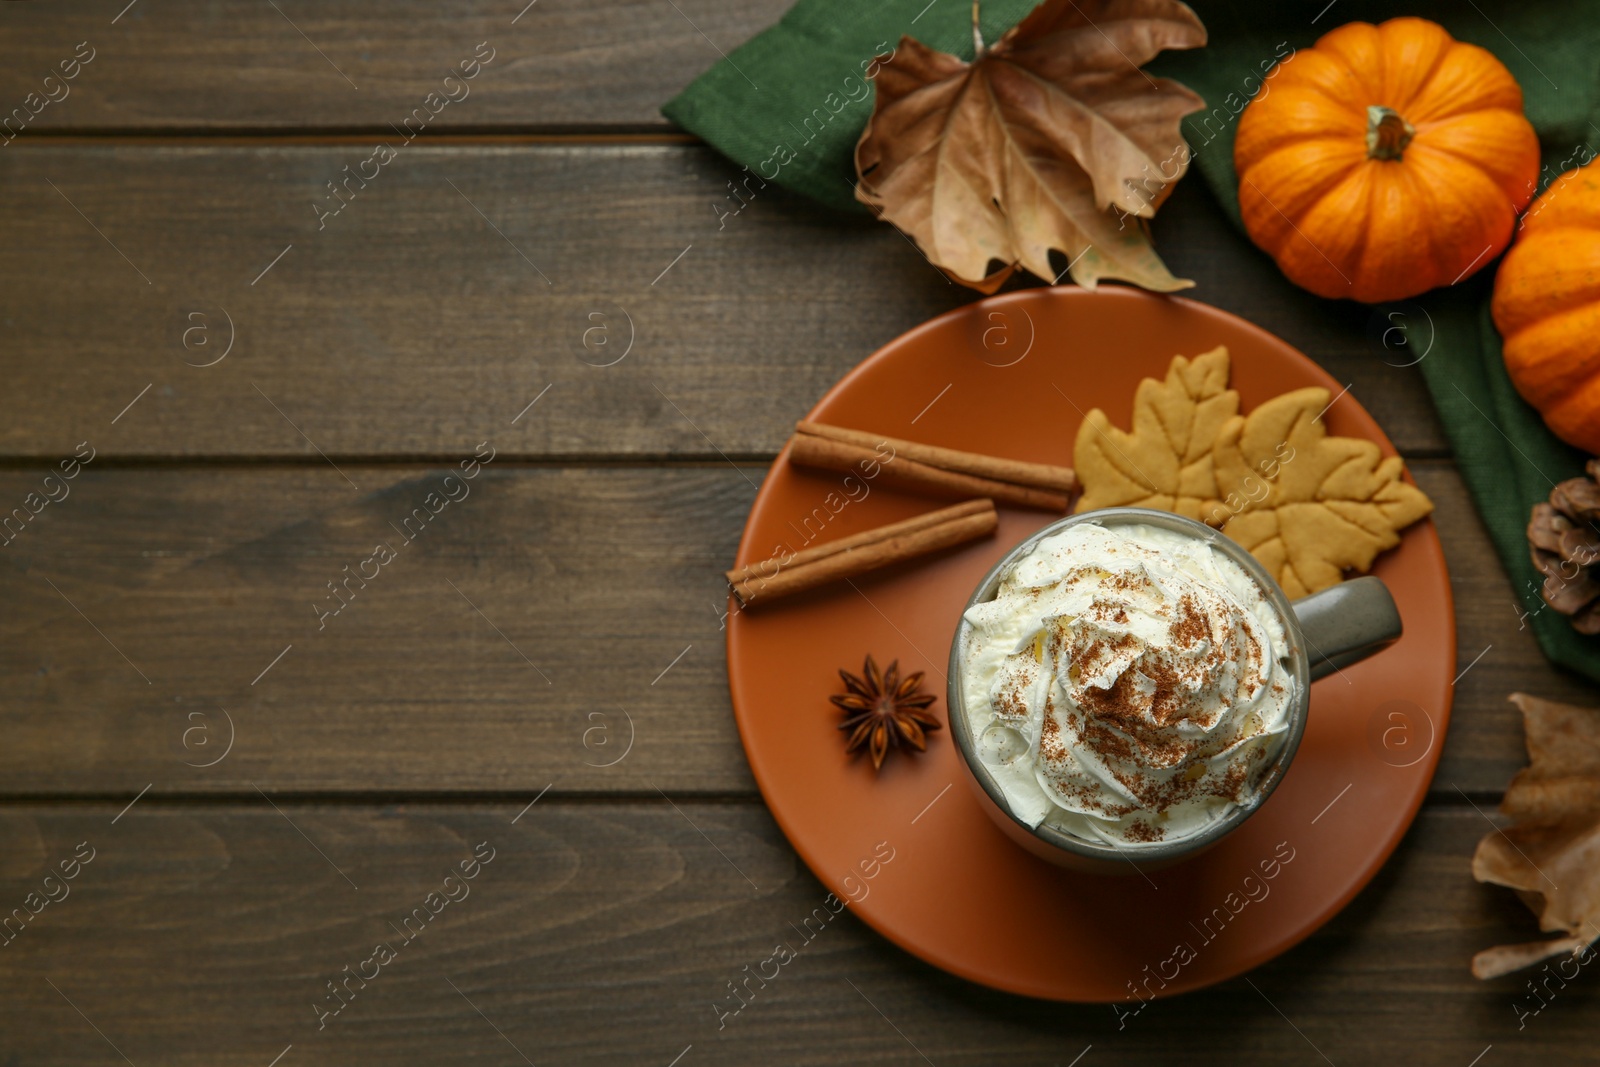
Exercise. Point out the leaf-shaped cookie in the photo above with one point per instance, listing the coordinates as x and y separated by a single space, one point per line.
1309 506
1165 461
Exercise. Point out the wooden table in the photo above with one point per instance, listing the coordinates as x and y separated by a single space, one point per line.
472 690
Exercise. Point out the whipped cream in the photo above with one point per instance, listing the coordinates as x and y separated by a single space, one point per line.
1127 684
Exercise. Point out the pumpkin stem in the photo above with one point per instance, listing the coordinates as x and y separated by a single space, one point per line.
1387 133
977 34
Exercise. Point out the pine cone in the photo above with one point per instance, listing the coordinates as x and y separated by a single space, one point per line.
1564 536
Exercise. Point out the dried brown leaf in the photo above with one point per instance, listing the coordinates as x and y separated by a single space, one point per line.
1033 144
1551 852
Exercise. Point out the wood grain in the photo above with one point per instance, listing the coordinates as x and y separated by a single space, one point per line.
509 645
569 603
603 932
602 577
205 65
413 325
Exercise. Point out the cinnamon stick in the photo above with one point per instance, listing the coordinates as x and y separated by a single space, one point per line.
863 552
1014 471
810 450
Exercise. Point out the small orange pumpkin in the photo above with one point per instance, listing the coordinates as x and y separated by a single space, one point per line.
1547 307
1385 161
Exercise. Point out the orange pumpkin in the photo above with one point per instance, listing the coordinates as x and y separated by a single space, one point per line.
1385 161
1547 307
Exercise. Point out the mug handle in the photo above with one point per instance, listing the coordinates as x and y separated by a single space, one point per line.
1346 623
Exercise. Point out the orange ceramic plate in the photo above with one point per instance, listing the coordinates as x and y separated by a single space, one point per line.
1013 376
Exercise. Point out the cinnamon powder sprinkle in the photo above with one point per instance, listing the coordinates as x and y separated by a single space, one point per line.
1131 723
1168 710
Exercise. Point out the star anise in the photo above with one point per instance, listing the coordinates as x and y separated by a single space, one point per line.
884 711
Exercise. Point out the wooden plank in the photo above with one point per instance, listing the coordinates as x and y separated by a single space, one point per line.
413 325
603 577
605 932
207 64
509 645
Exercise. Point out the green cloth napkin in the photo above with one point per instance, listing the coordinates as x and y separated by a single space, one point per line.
791 103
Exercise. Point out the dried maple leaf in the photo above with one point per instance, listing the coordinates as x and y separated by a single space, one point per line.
1027 147
1165 462
1309 506
1551 853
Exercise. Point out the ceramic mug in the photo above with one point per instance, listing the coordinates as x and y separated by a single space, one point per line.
1326 631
